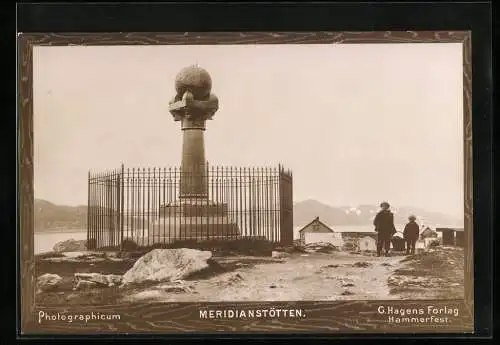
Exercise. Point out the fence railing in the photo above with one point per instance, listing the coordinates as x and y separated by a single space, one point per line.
146 205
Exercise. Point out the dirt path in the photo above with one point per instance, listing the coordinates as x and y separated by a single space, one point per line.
435 274
335 276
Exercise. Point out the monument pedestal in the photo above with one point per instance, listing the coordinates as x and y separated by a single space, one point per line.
193 219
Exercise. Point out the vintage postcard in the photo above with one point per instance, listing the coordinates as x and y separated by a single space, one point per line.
246 183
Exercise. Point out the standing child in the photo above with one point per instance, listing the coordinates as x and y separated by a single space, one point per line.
410 234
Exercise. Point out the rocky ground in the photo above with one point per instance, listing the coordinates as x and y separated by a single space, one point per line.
188 275
434 274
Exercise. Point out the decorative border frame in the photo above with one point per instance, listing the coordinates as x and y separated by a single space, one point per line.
323 317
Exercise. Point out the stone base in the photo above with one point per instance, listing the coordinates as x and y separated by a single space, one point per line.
193 208
193 219
194 227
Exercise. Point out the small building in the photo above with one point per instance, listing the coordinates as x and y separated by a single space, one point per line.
317 231
448 236
428 233
452 236
351 239
459 237
367 243
398 242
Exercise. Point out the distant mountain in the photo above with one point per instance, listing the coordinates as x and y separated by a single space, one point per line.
305 211
49 216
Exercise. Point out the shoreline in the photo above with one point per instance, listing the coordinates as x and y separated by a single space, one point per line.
59 231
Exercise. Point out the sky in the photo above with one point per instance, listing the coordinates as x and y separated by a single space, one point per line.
356 123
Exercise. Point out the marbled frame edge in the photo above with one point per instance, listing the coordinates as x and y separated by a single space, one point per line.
26 42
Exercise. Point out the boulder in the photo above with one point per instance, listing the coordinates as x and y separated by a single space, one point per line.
96 279
276 254
346 283
166 265
347 293
175 287
70 245
85 284
361 264
48 281
320 247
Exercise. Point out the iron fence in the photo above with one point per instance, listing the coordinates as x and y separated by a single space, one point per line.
147 205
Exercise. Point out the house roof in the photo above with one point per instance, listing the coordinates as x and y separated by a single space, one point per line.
449 229
316 220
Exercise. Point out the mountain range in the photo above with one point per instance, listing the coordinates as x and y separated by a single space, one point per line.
49 216
362 215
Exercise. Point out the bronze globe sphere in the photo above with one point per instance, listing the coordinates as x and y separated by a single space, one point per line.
194 79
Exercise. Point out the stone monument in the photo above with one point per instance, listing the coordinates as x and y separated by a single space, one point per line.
193 216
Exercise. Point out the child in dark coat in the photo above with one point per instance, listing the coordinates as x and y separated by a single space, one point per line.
410 234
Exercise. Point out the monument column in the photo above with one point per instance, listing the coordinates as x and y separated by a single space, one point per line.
193 166
193 105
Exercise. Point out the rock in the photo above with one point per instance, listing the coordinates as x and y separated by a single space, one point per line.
84 284
320 247
98 279
176 289
115 259
177 286
237 277
129 244
346 283
296 248
163 265
332 266
48 282
347 293
361 264
114 255
70 245
276 254
414 281
385 264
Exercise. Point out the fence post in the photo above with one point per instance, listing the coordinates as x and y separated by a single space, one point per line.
88 211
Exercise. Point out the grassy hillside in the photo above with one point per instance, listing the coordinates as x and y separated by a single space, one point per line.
49 216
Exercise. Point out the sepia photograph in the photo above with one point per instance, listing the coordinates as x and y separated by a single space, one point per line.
259 172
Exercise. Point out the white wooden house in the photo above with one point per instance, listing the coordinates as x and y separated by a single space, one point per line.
367 243
317 231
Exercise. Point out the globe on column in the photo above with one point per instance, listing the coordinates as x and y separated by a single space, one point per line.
195 80
193 214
